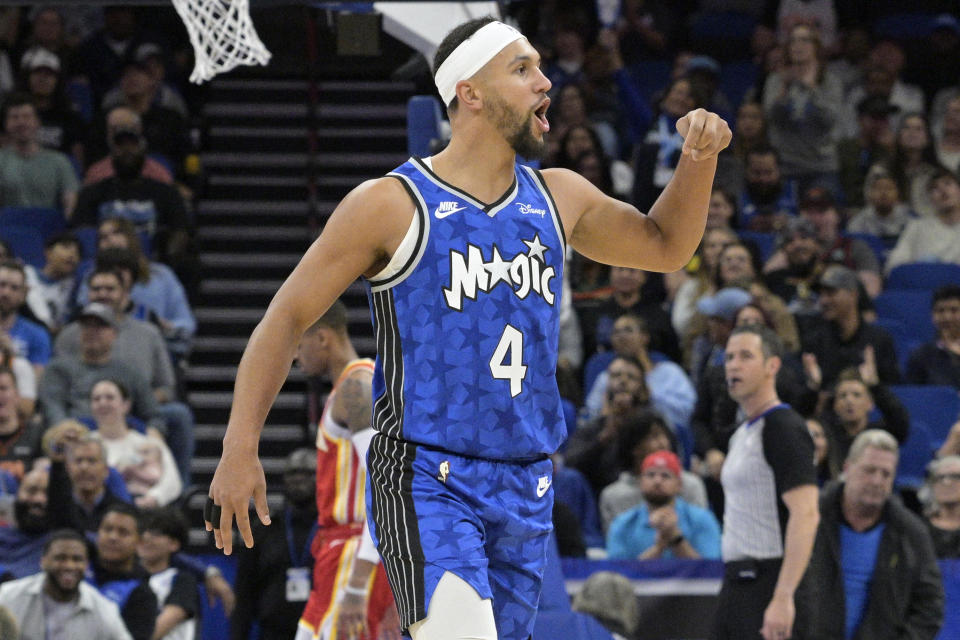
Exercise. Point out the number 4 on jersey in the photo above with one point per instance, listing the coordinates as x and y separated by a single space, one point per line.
511 344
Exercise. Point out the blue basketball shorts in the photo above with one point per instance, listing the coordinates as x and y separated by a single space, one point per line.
486 521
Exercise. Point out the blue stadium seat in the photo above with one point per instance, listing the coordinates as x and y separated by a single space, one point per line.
910 307
915 454
736 78
26 243
650 77
923 275
904 26
81 98
874 242
904 339
45 221
88 241
734 25
937 407
423 124
764 241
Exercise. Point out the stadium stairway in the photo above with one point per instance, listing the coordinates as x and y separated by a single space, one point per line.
257 217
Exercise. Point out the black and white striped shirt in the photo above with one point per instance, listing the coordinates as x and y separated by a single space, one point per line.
767 457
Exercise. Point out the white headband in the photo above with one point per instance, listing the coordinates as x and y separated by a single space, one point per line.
470 55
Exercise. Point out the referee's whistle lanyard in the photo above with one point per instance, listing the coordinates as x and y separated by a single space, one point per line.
301 560
779 405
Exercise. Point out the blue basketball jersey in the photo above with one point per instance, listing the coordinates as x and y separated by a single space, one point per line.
467 328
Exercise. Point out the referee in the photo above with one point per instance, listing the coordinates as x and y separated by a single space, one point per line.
769 483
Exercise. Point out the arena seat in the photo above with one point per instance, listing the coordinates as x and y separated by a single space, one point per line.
25 242
936 406
915 454
423 124
44 220
923 275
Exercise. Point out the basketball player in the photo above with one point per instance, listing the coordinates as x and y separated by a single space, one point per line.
770 512
349 591
463 259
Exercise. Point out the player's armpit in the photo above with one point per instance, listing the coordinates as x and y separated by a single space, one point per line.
359 238
353 402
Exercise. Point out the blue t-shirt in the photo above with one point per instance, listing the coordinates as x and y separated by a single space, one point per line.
858 556
630 533
30 341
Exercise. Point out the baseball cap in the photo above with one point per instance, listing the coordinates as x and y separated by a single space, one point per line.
876 106
99 311
839 277
40 58
146 51
724 303
946 21
818 199
662 460
703 63
796 227
302 459
124 134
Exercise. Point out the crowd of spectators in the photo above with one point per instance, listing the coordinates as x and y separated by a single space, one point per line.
843 168
97 168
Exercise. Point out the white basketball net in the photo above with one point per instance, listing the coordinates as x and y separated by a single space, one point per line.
222 36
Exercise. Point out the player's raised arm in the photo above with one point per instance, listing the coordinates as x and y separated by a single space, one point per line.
359 237
614 232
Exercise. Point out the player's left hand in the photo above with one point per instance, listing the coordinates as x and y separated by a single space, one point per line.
778 618
351 617
705 134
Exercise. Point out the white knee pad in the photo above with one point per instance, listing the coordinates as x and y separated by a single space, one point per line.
456 612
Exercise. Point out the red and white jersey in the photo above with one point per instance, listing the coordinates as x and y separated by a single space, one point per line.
341 479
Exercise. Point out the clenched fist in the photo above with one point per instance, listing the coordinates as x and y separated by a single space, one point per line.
705 134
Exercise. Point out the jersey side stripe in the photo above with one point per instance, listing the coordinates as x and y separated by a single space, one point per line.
420 210
557 222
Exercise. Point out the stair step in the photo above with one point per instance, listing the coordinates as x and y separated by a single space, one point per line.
223 399
333 111
297 234
246 260
230 84
227 159
255 110
273 432
208 464
239 286
292 208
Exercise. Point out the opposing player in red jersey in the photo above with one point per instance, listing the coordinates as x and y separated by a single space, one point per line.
350 594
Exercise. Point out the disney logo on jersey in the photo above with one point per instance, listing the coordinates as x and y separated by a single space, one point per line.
445 209
525 273
527 209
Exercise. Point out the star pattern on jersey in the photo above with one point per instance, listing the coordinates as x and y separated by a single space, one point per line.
537 250
499 269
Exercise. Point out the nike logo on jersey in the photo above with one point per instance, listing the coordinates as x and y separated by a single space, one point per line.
543 484
445 209
524 273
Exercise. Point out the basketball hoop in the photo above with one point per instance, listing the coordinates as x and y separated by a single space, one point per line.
222 36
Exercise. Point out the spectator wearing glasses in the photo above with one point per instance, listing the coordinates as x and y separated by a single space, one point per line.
941 497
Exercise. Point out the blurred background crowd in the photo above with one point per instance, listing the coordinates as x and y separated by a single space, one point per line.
834 220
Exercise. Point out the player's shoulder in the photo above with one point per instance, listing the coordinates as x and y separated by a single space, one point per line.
383 192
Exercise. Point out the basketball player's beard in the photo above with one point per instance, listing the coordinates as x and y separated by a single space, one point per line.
516 131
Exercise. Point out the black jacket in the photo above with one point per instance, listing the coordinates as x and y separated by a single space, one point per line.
906 593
